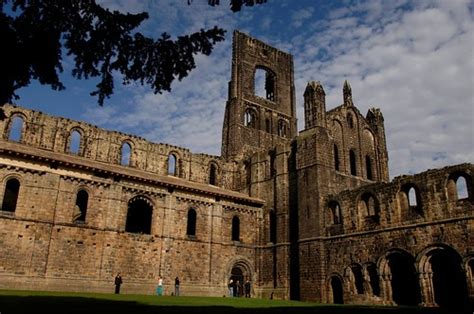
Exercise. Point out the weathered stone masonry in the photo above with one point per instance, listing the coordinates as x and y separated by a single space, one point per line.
309 215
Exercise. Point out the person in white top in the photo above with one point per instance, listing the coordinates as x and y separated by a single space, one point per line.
159 289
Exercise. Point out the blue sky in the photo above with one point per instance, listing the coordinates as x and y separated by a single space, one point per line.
412 59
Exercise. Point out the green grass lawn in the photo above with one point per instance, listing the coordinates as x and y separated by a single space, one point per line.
12 302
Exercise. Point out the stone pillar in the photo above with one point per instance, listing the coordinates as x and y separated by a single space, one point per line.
470 281
427 291
386 289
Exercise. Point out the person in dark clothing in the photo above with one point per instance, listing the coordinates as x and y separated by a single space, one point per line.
176 286
247 287
118 282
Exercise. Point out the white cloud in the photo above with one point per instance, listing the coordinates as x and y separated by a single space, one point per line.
413 60
300 16
418 69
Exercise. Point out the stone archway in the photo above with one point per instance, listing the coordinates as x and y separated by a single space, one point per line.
399 280
443 277
239 271
336 288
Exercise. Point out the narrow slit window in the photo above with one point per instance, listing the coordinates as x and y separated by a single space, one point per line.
273 226
368 166
213 174
352 160
235 228
191 226
336 158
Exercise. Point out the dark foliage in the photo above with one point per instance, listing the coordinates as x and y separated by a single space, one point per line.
35 33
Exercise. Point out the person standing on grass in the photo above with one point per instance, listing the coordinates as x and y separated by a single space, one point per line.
176 286
230 286
247 287
118 282
159 289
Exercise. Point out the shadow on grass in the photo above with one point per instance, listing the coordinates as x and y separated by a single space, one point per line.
57 304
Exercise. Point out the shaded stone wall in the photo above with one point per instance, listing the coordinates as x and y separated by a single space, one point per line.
43 247
439 222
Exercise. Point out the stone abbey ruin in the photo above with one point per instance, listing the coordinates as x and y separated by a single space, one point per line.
307 215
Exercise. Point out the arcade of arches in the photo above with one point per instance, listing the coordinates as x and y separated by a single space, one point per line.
438 276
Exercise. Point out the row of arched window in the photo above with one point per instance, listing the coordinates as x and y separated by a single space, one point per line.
251 121
409 198
139 212
353 163
139 217
74 146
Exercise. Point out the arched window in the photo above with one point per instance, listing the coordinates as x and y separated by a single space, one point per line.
250 118
235 228
75 142
350 120
273 226
125 154
248 173
459 186
172 165
352 161
268 126
412 202
336 158
191 227
264 84
368 167
213 174
358 279
80 210
139 215
282 128
10 196
272 163
371 205
373 278
336 213
16 129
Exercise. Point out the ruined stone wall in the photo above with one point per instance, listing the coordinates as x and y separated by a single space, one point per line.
439 221
44 247
362 139
55 134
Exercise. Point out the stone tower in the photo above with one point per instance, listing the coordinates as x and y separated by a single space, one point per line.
256 118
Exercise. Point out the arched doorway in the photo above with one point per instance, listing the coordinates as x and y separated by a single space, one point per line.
337 291
447 277
239 273
399 266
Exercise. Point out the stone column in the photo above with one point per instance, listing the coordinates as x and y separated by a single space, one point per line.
386 289
470 281
427 291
